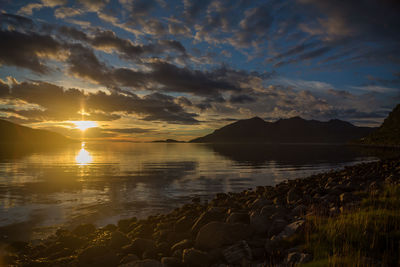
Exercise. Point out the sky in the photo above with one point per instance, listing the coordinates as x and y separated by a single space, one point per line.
154 69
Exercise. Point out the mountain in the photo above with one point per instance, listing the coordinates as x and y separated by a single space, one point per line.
388 133
168 141
292 130
14 134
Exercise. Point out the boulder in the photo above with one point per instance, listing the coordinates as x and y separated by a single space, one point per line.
186 243
84 229
259 222
291 229
183 224
139 245
171 262
196 258
142 263
97 255
216 234
214 214
118 240
292 196
129 258
237 252
276 227
238 217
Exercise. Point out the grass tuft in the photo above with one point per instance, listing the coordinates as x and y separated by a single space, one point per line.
366 236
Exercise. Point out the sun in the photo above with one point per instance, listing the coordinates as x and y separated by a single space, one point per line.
83 125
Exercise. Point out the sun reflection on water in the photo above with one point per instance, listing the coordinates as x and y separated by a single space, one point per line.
83 157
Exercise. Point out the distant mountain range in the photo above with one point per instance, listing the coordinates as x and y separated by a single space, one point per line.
14 134
293 130
388 133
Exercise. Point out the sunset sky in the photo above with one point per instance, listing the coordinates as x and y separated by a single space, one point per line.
156 69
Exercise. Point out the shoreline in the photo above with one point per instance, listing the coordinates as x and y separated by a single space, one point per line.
231 228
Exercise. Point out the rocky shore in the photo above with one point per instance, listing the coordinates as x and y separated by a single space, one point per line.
266 226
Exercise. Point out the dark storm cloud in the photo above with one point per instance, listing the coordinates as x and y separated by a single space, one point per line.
16 21
27 50
240 99
161 75
58 103
107 39
84 63
155 106
197 82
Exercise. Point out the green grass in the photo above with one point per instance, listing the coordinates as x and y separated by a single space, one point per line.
366 236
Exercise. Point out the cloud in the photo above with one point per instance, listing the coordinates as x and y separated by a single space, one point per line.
65 12
253 27
57 103
28 50
93 5
28 9
129 130
367 19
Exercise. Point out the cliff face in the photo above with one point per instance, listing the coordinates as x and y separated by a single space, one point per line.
388 133
11 133
293 130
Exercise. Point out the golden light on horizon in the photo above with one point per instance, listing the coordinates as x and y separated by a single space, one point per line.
83 157
83 125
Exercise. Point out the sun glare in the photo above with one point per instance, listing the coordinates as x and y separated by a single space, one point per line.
83 157
83 125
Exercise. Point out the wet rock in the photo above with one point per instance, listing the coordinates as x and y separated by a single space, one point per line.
295 258
70 241
110 227
186 243
268 210
139 245
276 227
216 234
143 263
259 203
97 255
292 228
292 196
211 215
118 240
237 252
259 222
299 210
171 262
183 224
142 231
238 217
123 225
129 258
195 257
84 229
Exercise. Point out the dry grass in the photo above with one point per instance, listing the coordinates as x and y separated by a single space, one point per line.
366 236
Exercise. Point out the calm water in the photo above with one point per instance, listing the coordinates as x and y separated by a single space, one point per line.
103 182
